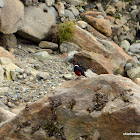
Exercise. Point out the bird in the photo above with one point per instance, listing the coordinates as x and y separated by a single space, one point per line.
78 71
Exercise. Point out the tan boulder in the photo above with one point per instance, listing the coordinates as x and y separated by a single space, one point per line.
110 10
102 25
96 62
8 40
94 32
102 105
93 14
37 22
108 49
5 53
11 17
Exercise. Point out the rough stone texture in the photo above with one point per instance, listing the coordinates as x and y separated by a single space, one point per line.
67 47
102 25
5 115
50 2
74 10
37 22
77 2
93 14
101 106
82 24
8 41
135 48
96 62
118 112
5 53
11 19
48 45
108 49
41 55
110 10
60 8
125 45
134 73
69 14
1 74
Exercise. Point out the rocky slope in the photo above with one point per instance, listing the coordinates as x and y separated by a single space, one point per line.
34 61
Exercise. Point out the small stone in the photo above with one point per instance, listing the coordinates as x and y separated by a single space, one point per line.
69 15
135 48
10 104
42 75
13 75
50 2
37 66
1 4
20 77
128 66
48 45
67 76
41 55
74 10
110 10
125 45
82 24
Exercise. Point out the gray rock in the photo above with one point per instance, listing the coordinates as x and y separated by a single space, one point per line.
2 105
67 47
11 17
134 73
28 2
42 75
37 22
13 74
4 90
10 104
68 14
128 66
134 14
1 4
41 55
70 56
50 2
135 48
6 115
82 24
67 76
48 45
78 2
74 10
90 74
5 61
134 7
125 45
60 8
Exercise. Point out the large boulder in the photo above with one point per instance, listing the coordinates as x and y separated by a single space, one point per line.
106 104
108 49
11 17
96 62
102 25
103 107
37 22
